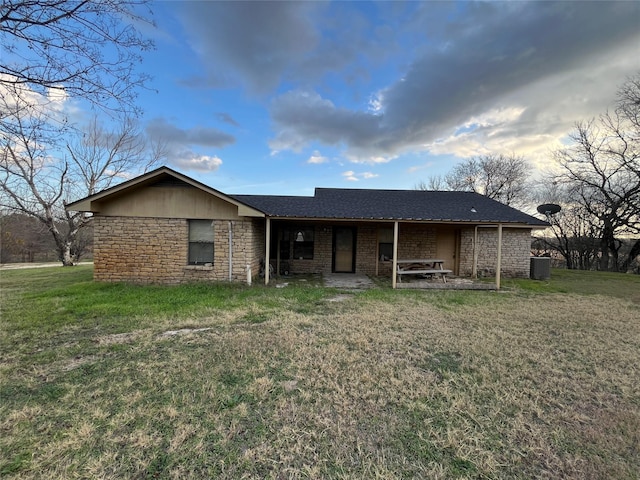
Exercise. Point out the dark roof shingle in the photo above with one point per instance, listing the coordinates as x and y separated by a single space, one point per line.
417 205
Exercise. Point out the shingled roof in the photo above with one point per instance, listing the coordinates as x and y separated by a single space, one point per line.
407 205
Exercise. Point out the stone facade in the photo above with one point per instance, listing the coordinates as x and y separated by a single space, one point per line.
155 250
516 248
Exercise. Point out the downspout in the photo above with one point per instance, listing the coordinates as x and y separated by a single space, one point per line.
230 251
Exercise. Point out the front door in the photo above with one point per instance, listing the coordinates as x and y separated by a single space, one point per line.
447 247
344 249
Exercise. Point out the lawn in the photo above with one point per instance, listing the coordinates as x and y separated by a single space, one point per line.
228 381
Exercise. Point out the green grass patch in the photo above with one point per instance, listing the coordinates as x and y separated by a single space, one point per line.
618 285
229 381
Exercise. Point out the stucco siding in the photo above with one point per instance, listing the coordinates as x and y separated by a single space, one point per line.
182 201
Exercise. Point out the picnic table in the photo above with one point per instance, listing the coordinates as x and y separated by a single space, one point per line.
422 266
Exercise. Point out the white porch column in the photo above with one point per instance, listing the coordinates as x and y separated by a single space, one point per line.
394 267
267 243
499 259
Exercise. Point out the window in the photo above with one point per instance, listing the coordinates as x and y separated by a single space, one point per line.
200 242
385 243
303 243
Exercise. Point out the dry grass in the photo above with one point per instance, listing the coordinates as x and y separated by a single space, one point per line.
391 385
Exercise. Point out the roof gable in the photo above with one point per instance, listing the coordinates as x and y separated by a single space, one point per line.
162 177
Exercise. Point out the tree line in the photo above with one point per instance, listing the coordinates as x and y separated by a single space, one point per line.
595 180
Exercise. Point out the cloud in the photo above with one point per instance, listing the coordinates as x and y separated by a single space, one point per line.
255 41
189 160
352 176
303 116
226 118
260 45
317 158
181 144
496 77
207 137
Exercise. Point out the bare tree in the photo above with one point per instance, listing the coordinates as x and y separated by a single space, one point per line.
85 49
501 177
574 231
601 170
53 51
37 178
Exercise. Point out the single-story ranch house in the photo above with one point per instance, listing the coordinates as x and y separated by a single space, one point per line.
165 227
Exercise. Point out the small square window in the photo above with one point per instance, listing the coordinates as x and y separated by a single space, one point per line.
200 242
303 243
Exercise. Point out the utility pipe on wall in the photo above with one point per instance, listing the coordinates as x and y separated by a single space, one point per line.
230 251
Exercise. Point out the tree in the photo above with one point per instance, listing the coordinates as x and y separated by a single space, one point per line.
54 51
87 49
574 231
601 171
501 177
37 178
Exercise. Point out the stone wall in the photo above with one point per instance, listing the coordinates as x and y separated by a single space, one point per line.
155 250
516 248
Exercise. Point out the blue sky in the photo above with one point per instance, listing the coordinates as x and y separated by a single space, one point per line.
282 97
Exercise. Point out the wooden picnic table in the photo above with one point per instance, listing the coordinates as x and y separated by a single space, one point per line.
422 266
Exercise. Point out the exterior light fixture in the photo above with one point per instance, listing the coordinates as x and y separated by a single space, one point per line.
299 237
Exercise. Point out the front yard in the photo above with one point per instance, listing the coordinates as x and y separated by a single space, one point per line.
226 381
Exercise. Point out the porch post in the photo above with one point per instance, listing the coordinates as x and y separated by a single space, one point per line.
267 250
474 270
394 267
499 259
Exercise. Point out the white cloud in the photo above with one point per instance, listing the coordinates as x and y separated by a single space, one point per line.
352 176
317 158
191 161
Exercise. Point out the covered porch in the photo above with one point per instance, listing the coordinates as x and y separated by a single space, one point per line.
373 248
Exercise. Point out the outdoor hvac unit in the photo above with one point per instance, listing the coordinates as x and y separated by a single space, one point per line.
540 268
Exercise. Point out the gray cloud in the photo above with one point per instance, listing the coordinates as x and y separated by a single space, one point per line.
228 119
255 40
179 144
207 137
507 71
259 45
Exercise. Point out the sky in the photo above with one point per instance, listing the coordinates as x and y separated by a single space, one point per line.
283 97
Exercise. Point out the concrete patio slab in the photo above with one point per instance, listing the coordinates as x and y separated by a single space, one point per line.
347 280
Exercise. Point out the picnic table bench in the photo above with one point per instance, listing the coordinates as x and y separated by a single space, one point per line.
422 266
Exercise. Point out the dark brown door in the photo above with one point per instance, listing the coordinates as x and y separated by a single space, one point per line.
344 249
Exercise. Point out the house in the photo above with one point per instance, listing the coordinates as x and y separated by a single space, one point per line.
165 227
